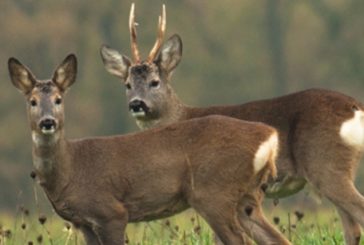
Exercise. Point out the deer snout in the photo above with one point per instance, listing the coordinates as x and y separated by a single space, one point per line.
48 125
138 107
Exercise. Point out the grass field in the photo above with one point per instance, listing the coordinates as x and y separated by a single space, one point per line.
301 226
321 227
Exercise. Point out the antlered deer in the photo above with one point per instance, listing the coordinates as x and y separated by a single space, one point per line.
321 132
215 165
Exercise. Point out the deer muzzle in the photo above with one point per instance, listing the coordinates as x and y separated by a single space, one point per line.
48 125
138 108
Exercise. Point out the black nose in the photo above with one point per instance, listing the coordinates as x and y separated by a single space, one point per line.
47 123
138 106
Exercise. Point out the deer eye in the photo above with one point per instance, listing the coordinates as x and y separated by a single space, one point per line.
33 102
58 101
128 86
154 84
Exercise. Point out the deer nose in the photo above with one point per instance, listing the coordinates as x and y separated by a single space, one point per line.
47 124
138 106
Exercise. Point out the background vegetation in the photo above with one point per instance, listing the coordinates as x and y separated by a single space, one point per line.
234 51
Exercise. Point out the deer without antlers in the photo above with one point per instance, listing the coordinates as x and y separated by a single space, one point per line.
321 132
100 184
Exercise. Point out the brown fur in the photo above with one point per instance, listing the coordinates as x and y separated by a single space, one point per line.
308 123
100 184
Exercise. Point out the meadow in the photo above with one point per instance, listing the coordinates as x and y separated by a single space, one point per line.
318 227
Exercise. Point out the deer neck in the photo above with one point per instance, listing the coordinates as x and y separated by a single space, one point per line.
50 159
174 111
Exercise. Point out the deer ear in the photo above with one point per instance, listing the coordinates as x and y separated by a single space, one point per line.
170 54
115 63
65 74
20 76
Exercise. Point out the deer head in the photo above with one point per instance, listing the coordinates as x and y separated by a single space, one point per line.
44 97
146 81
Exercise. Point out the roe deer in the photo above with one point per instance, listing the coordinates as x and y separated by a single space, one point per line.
321 132
212 164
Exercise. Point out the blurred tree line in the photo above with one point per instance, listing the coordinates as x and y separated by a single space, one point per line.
234 51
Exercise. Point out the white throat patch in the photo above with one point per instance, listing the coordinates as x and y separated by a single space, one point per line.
42 164
39 140
146 124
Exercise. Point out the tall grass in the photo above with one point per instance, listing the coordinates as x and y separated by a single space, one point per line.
39 226
186 228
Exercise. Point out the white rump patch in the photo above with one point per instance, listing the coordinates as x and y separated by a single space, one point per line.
266 151
352 130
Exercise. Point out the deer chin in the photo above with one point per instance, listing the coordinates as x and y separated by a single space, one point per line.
141 114
45 138
138 114
48 131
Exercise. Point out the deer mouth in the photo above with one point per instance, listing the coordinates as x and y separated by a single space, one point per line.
48 130
138 108
48 126
139 113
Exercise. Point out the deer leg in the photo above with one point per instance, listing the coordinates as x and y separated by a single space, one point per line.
256 225
89 235
222 218
247 240
331 169
351 228
228 233
110 228
340 190
111 232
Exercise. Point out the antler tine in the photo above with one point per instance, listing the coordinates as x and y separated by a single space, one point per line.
133 35
161 30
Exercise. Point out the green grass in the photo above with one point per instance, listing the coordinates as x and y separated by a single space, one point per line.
314 227
322 227
183 229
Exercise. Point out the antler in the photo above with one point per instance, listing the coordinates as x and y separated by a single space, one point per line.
133 35
161 30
